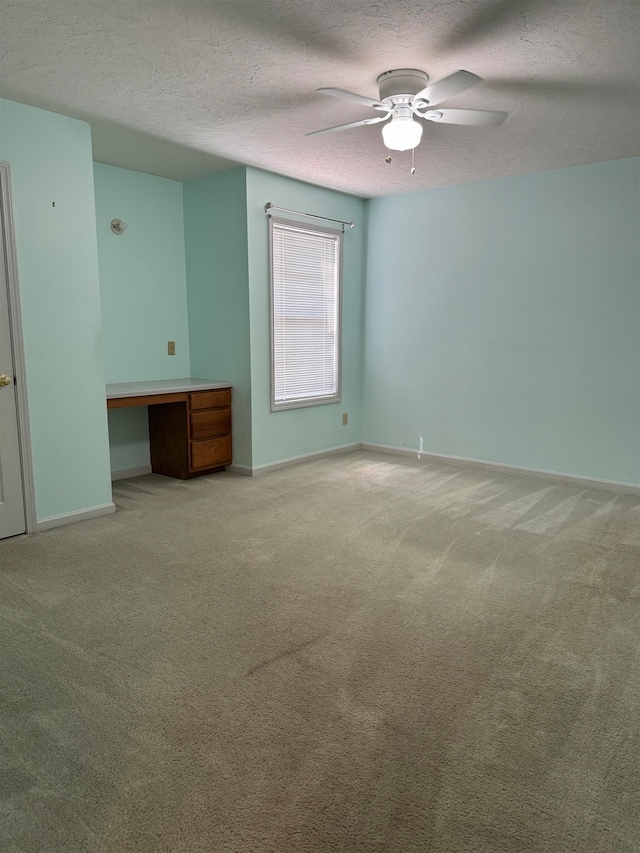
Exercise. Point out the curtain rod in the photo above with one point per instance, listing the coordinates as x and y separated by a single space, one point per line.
269 206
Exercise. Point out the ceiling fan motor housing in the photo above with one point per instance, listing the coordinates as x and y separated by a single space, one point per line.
404 81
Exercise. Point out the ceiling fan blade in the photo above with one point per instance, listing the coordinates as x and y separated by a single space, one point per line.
373 120
473 118
448 87
351 96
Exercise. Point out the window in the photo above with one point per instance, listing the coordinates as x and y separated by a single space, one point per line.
306 273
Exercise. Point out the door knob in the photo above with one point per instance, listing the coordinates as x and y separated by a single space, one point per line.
5 380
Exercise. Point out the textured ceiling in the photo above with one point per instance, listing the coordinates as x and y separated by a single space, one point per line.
183 88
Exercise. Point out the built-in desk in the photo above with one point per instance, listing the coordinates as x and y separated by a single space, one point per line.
189 423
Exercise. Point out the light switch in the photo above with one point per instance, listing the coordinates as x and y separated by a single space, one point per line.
171 348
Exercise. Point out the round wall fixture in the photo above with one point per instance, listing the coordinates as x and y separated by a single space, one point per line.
118 226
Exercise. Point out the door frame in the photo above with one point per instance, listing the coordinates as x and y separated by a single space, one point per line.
17 341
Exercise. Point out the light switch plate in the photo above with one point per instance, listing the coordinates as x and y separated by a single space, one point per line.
171 348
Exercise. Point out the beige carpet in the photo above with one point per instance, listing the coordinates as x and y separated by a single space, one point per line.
363 654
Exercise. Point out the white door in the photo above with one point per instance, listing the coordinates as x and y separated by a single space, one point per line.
12 516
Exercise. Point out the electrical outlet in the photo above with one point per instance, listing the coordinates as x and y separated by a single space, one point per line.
345 419
171 348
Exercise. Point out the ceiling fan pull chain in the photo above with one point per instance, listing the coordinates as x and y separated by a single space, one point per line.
413 161
388 158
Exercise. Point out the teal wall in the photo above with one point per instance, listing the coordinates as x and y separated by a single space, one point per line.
50 157
503 321
129 439
295 432
143 285
215 215
143 291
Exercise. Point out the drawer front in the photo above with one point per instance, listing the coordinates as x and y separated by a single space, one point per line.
211 453
211 423
211 399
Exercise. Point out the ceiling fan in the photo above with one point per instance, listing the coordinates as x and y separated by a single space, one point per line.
406 94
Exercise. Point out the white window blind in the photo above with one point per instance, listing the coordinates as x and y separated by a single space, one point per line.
305 277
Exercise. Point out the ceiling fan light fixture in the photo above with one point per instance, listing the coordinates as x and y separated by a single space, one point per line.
402 133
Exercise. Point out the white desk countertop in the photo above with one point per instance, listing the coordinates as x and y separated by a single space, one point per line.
163 386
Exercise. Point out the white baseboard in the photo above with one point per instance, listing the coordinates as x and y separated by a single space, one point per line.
72 517
292 460
124 473
501 468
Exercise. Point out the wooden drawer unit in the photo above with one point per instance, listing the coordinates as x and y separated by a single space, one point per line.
210 399
210 423
210 453
192 436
